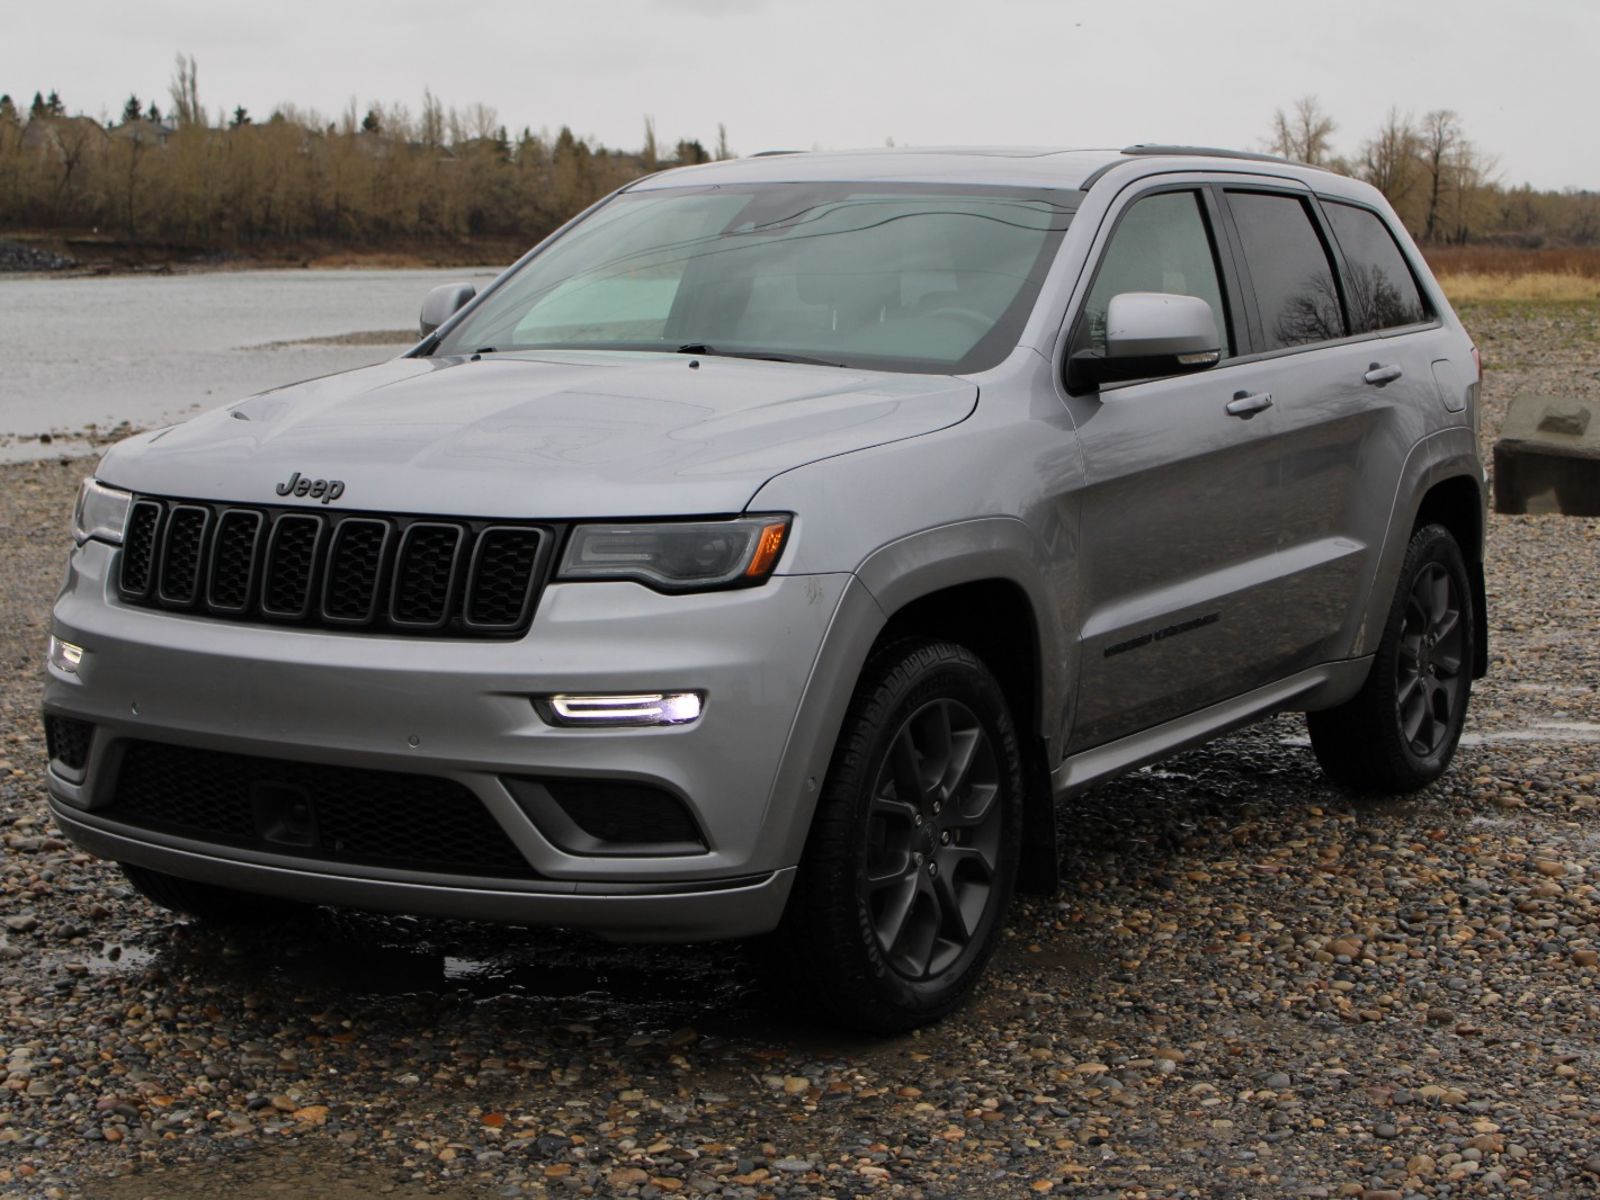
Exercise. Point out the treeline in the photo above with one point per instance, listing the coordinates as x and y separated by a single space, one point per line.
1444 186
216 181
371 178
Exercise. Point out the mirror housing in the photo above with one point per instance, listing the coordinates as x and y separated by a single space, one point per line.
1149 335
442 303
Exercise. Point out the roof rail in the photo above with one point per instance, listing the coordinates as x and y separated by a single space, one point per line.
1154 149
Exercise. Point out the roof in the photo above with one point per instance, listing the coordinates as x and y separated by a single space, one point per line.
1014 166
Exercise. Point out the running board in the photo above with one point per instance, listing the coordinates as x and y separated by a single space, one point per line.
1317 687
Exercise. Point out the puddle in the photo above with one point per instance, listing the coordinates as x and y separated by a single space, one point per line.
377 959
1570 732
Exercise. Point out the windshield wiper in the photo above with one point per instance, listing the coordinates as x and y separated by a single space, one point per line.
763 355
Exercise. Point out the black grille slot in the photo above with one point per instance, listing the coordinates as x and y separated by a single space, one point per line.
139 548
363 572
355 567
607 816
182 545
233 560
67 741
334 814
424 574
500 584
291 565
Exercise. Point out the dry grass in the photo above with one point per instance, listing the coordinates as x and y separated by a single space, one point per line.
1507 260
1550 286
1475 274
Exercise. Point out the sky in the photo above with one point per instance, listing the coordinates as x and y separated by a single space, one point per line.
802 74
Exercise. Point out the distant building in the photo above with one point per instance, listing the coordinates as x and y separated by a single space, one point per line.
66 137
143 131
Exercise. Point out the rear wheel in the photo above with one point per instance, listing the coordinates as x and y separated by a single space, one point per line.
207 902
1401 730
913 851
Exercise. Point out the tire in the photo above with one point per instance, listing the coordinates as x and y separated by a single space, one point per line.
905 880
209 903
1401 730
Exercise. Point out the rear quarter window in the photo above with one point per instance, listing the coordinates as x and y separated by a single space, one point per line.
1382 292
1289 267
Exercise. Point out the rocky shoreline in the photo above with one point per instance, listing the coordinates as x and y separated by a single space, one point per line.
1250 985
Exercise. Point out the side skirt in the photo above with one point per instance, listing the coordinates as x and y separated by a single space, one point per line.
1318 687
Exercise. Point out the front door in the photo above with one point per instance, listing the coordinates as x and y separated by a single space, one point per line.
1179 530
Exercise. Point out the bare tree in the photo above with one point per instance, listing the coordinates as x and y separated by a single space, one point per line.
431 129
185 93
1439 140
1306 134
723 153
651 152
1389 159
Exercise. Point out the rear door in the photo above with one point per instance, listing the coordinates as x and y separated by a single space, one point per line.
1334 316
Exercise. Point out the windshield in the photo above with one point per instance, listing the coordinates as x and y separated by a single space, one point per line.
900 277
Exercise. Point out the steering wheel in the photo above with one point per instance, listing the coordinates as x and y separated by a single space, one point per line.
982 322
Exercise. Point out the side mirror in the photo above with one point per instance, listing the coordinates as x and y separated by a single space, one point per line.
442 303
1148 335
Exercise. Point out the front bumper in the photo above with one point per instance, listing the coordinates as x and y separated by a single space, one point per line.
460 710
707 910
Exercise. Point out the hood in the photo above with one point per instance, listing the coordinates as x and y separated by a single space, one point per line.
572 434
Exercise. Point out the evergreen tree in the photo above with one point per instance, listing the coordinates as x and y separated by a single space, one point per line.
132 110
691 151
240 117
372 122
37 109
53 104
8 110
153 114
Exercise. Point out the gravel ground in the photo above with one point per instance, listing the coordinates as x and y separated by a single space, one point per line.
1250 985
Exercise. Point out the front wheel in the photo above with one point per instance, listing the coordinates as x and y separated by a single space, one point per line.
1400 731
913 850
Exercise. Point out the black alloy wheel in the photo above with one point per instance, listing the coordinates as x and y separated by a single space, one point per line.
933 839
1430 670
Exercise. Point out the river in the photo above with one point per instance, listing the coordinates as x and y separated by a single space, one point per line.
79 356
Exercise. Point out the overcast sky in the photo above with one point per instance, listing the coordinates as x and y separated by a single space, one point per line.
835 73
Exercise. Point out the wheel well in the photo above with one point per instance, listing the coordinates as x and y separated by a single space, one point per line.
994 620
1457 504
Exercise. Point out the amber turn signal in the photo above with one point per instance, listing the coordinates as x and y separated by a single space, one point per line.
768 547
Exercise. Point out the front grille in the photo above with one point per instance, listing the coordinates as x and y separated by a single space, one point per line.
369 572
334 814
67 741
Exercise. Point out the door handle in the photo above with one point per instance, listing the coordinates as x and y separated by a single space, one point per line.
1380 375
1248 404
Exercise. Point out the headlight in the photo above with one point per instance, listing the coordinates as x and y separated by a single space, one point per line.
686 556
102 512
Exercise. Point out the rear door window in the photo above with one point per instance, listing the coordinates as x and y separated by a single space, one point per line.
1381 290
1289 267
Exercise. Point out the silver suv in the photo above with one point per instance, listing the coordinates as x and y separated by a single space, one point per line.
768 550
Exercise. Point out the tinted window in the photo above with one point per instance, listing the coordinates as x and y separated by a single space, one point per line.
1382 291
1161 245
1289 267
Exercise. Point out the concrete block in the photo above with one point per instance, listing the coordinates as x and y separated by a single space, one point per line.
1548 457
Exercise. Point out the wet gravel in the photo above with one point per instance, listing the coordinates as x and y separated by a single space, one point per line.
1250 985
